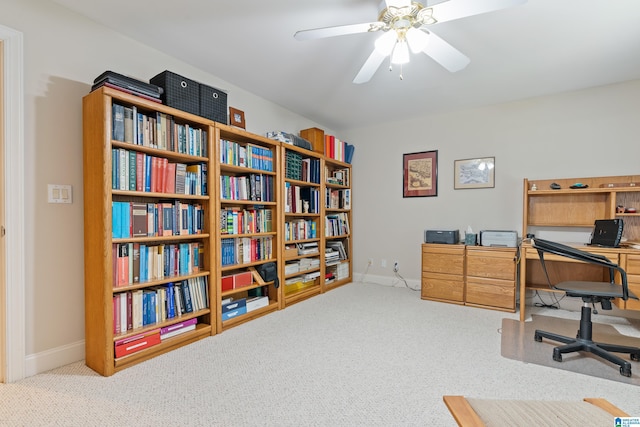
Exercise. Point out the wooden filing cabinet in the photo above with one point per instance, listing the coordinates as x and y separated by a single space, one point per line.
490 279
470 275
443 273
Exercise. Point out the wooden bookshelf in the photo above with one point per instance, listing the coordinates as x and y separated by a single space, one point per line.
257 238
303 268
107 242
247 168
337 214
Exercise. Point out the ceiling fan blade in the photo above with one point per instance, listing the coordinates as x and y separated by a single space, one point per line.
445 54
341 30
369 68
456 9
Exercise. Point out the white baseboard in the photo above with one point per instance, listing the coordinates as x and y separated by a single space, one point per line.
54 358
387 281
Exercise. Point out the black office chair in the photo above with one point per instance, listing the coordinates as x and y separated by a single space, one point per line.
591 293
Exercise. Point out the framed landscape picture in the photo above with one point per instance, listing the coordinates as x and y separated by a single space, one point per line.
420 174
474 173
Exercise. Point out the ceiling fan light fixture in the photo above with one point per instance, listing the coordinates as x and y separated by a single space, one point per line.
384 44
400 53
417 39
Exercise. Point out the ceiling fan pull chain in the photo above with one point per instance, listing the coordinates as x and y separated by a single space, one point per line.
401 78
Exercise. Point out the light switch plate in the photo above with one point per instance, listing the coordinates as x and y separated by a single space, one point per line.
60 193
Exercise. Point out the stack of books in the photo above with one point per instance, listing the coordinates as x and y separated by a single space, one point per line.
129 85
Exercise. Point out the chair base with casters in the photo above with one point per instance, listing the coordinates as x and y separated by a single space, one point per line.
590 293
584 342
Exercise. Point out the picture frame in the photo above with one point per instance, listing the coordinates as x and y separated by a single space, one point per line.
236 118
420 174
474 173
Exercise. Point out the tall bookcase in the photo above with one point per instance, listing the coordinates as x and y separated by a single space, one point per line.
303 269
147 233
247 221
181 213
337 223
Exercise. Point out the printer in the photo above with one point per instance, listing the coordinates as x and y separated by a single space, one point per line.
504 238
450 237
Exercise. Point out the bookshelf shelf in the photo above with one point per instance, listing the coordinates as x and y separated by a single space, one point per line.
148 255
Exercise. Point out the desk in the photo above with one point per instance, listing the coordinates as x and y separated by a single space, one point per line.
532 275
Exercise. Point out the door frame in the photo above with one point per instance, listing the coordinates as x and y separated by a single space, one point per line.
14 277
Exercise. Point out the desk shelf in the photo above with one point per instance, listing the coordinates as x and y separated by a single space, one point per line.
546 209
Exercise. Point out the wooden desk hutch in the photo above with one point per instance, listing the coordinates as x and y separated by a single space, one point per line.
566 208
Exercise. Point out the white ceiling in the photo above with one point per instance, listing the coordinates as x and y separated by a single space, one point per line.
539 48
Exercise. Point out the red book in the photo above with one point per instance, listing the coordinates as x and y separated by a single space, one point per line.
162 175
170 179
136 343
154 174
139 171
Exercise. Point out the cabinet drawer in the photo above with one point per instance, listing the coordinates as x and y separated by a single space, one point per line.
491 292
633 265
443 286
447 260
497 265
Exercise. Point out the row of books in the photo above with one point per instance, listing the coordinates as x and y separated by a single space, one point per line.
135 343
244 250
140 219
143 307
340 271
255 187
335 250
157 130
336 225
300 229
247 155
140 263
301 265
337 176
234 220
338 199
135 171
301 169
301 199
337 149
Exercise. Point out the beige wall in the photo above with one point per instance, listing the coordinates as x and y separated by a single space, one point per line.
561 135
592 132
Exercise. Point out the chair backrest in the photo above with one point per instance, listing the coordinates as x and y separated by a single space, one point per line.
542 246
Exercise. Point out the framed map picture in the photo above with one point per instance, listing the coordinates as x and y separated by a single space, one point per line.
474 173
420 174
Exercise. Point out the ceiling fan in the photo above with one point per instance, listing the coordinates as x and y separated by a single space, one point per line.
404 24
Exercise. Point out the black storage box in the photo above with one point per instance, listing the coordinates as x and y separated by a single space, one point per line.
179 92
213 104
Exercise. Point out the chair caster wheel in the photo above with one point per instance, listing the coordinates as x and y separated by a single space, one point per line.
537 338
625 371
635 356
557 356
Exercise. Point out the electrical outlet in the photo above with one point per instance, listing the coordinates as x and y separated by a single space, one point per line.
383 263
396 266
370 262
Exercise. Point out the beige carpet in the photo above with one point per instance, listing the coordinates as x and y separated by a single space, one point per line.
518 343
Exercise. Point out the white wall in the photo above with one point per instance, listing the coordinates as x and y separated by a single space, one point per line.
63 53
593 132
